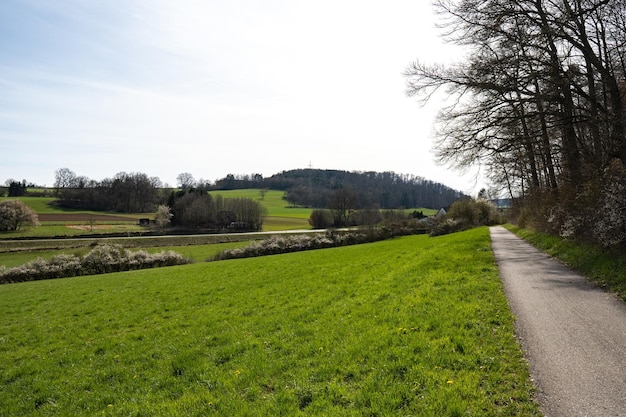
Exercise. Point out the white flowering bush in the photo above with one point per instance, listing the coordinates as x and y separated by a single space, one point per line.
15 215
105 258
284 244
609 228
101 259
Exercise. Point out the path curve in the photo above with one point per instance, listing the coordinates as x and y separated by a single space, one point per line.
573 333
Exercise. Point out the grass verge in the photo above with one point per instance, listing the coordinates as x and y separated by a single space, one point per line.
410 326
607 268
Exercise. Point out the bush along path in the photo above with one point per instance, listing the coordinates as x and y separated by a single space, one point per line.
573 332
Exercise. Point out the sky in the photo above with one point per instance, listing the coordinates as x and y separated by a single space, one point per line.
212 88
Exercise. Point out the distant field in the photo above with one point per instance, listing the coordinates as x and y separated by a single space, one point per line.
55 221
279 215
412 326
38 204
63 222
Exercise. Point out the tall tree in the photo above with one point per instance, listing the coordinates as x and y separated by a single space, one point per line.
344 203
540 100
185 180
541 80
64 178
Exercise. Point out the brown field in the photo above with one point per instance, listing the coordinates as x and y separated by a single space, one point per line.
83 217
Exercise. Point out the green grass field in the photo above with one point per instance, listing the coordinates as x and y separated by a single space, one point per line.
279 215
38 204
411 326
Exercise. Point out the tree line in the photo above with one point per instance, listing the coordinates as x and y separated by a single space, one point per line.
540 103
125 192
189 207
317 188
14 188
137 192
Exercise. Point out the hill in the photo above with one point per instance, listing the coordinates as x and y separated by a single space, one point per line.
315 187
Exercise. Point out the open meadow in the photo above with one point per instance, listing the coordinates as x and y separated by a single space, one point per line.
410 326
280 216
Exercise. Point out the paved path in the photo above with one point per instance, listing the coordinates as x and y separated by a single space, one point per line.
573 334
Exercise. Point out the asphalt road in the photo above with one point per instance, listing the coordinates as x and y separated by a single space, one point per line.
573 333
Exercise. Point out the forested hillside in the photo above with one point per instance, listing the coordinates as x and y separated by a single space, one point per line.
316 188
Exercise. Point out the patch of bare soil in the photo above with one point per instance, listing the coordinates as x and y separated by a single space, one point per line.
82 217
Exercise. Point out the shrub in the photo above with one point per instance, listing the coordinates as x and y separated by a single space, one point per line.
321 219
14 215
609 229
58 267
279 244
104 258
592 212
446 226
101 259
465 214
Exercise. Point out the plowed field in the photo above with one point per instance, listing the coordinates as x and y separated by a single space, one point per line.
83 217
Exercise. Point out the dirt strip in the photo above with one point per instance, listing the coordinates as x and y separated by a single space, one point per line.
83 217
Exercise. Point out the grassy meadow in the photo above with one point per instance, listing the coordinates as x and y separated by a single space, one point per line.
38 204
410 326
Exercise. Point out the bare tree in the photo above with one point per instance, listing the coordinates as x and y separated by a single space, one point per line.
185 181
540 100
64 178
344 203
541 82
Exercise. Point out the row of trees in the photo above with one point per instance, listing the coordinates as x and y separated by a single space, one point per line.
125 192
14 188
540 102
189 207
136 192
